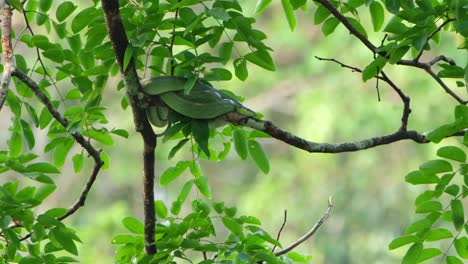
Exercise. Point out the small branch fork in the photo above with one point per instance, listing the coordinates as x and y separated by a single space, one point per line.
426 66
308 234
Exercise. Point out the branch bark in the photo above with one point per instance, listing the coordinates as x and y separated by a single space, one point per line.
7 51
120 43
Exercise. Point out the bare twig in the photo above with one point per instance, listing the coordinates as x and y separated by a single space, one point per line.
309 234
285 218
442 58
7 51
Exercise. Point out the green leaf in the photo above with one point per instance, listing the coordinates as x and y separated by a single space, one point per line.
184 192
43 167
133 225
429 253
78 161
289 12
259 156
438 234
177 147
127 56
64 238
161 209
393 6
233 226
418 226
452 189
201 134
453 260
28 133
377 15
413 254
219 13
321 14
101 136
401 241
398 54
330 25
240 69
202 184
240 143
261 6
442 132
15 144
64 10
44 191
82 19
261 58
429 207
357 25
461 245
452 152
417 177
374 68
435 166
458 215
45 5
225 51
172 173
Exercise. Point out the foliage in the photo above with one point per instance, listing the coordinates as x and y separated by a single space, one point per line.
442 206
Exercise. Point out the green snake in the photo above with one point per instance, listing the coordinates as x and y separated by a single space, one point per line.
203 101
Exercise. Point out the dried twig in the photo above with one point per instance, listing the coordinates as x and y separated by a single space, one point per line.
309 234
285 218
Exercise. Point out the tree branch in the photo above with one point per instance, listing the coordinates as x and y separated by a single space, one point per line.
309 234
95 154
439 28
7 51
119 42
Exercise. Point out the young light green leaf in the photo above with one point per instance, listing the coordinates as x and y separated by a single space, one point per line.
15 144
78 161
172 173
429 253
458 215
461 245
202 184
64 10
413 254
161 209
429 207
261 6
81 20
438 234
240 143
259 156
377 15
289 12
28 133
133 225
401 241
184 192
43 167
418 226
452 152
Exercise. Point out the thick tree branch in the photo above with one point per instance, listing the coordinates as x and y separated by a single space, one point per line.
293 140
119 42
7 51
309 234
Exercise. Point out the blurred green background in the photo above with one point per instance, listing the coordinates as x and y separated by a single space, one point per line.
317 100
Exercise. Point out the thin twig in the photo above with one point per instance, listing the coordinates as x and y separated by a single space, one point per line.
285 218
310 233
8 60
171 47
